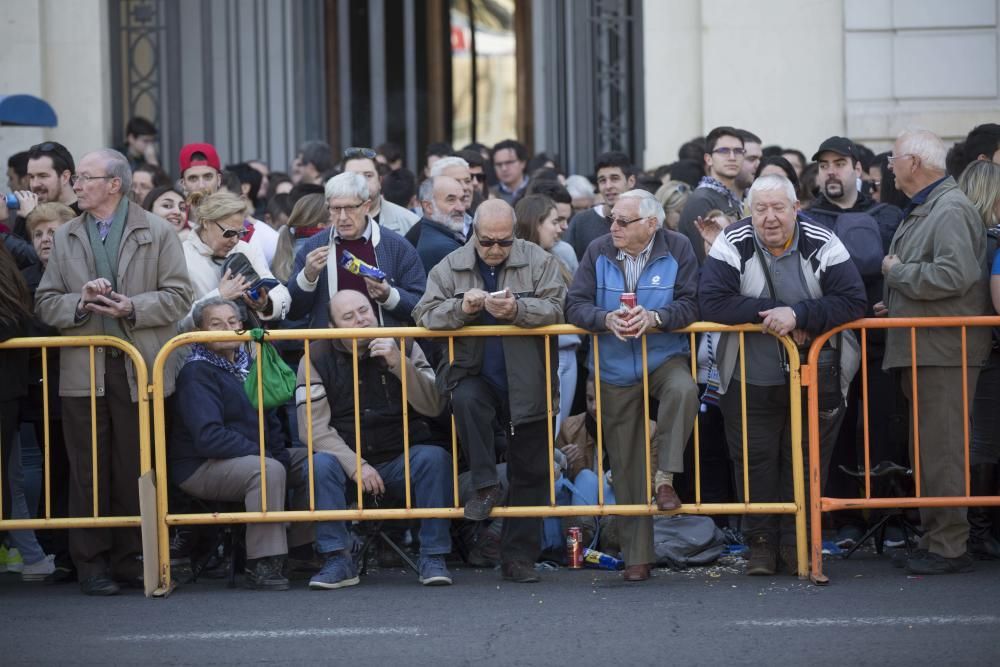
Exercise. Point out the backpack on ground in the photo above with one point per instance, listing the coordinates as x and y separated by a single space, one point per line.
684 540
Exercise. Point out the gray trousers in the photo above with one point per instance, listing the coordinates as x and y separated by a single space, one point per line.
769 453
625 438
239 479
942 453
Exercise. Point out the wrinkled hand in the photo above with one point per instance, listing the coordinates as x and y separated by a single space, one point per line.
371 481
710 228
94 288
888 262
502 307
316 262
880 310
616 322
779 321
28 201
112 304
232 286
387 349
377 289
638 320
473 301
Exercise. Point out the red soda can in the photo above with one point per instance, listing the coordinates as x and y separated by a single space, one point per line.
627 301
574 548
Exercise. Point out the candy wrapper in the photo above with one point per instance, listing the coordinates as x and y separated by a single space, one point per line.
360 268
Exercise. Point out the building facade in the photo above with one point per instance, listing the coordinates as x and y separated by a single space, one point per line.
569 77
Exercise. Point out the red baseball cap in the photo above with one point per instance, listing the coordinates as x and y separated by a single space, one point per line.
211 158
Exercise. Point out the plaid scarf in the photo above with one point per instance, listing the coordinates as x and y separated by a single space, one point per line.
714 184
240 368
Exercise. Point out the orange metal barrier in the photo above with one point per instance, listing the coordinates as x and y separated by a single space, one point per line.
141 378
820 504
165 518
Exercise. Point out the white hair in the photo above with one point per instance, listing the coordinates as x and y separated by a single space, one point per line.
116 165
347 185
925 145
579 187
649 205
441 164
774 183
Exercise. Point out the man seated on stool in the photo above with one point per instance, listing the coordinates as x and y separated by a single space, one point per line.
382 469
215 451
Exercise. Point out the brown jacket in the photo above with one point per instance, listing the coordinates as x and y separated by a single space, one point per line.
151 271
942 272
573 431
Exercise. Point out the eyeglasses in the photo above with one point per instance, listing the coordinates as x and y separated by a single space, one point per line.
335 211
76 178
355 152
893 158
230 233
738 152
489 243
480 177
621 223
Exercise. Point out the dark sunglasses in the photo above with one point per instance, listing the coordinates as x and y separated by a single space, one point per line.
489 243
480 177
622 223
230 233
354 153
51 147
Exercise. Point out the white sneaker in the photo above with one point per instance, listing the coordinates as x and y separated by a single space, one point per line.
38 571
14 561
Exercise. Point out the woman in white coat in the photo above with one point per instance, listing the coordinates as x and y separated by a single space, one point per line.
215 237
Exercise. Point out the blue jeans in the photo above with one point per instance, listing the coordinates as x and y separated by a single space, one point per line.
430 475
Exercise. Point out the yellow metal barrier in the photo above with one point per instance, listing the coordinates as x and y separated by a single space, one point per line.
145 458
819 503
165 519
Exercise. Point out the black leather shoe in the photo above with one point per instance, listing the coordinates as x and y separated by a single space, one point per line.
932 563
479 508
519 571
99 585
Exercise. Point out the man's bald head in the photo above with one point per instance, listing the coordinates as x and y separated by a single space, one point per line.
350 309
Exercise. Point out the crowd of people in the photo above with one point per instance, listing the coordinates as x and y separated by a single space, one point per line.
733 232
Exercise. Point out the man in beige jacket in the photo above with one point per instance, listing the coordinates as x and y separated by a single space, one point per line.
115 270
337 440
936 267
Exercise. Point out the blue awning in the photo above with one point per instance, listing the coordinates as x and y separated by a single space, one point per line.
26 110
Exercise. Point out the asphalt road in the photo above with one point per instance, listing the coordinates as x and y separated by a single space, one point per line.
870 614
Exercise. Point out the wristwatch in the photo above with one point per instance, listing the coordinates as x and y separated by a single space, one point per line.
656 318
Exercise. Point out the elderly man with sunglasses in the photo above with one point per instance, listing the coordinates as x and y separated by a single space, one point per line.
658 267
499 279
318 272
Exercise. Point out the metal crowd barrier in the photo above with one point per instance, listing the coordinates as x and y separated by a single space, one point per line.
165 518
819 503
146 498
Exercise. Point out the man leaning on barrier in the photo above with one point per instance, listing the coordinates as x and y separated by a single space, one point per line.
936 266
119 271
382 468
214 448
499 279
794 277
659 267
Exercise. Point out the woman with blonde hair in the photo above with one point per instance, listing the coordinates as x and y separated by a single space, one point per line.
672 196
216 237
980 182
309 216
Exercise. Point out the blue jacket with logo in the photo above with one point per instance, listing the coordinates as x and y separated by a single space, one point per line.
668 285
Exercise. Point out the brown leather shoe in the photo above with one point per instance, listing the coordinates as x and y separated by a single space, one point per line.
637 572
666 498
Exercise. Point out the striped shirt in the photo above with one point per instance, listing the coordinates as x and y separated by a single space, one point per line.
634 265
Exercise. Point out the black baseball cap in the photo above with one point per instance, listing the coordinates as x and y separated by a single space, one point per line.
839 145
